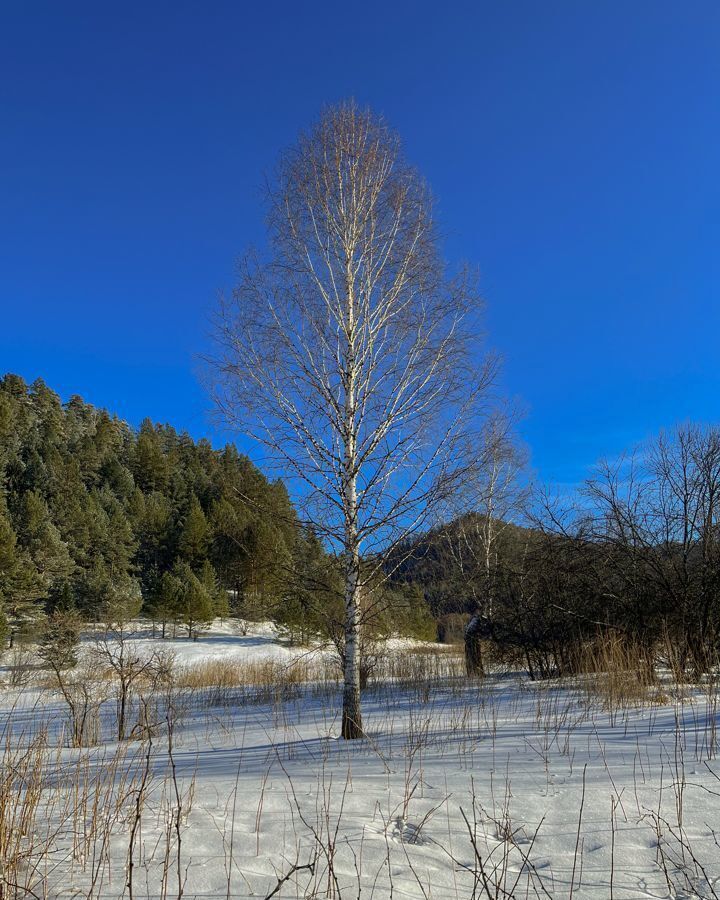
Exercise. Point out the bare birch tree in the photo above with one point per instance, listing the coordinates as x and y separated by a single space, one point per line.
351 355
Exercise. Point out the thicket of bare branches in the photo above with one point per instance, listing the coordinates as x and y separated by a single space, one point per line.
636 557
656 514
628 563
496 494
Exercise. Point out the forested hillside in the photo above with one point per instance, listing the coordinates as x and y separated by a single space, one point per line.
97 516
448 562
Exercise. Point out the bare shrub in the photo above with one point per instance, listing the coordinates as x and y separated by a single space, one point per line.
84 697
20 665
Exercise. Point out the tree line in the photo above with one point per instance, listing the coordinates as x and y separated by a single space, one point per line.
111 523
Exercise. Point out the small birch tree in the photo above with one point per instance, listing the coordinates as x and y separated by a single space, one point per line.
495 495
351 354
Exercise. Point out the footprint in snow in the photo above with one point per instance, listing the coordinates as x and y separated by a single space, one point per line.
405 832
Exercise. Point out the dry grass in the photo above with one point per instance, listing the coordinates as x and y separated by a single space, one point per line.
423 664
226 681
56 819
619 672
68 830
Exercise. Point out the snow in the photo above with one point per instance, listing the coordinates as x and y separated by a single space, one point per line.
565 798
226 640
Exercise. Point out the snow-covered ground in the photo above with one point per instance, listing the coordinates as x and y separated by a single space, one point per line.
462 789
227 639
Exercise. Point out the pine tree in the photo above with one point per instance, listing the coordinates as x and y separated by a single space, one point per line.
195 535
313 599
41 541
268 563
229 553
209 580
165 600
8 561
150 466
100 514
60 640
104 596
152 521
197 608
21 586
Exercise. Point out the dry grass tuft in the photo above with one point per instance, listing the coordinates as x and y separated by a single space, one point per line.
618 671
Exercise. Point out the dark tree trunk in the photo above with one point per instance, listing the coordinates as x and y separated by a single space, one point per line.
476 631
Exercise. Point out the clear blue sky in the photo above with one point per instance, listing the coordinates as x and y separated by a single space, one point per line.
574 148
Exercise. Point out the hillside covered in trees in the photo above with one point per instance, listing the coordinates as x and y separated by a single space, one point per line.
97 516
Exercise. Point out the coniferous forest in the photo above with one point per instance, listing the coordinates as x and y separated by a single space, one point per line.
114 522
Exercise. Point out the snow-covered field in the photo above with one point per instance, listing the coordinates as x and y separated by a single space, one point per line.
462 789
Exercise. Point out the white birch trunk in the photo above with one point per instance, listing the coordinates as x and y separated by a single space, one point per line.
351 712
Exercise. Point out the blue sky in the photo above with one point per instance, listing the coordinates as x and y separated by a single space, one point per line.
573 147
